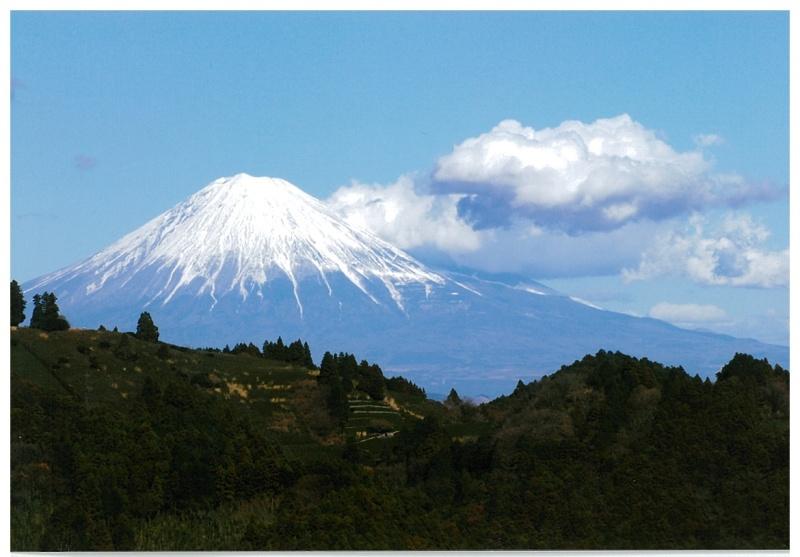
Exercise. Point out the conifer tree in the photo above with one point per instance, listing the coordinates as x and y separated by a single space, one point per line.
50 313
328 369
307 360
372 382
145 329
17 304
453 399
268 350
36 318
295 353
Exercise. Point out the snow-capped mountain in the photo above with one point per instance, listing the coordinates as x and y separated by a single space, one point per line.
247 258
234 236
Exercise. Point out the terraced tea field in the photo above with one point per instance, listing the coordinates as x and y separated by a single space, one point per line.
372 419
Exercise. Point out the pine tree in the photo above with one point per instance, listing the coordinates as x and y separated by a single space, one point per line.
268 350
328 369
372 382
453 399
307 360
50 313
17 304
145 329
36 318
294 353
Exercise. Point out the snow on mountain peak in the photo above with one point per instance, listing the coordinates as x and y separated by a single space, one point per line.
241 231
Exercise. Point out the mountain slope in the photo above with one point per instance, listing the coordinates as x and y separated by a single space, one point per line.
248 258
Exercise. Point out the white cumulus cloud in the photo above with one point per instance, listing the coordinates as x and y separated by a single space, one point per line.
580 176
405 217
685 314
732 254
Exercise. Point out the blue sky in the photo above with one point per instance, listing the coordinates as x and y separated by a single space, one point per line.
118 116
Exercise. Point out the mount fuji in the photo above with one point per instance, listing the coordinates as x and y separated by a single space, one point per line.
247 258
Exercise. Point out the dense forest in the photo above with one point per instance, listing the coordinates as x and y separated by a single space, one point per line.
122 442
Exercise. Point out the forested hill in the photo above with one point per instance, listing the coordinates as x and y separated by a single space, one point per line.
124 443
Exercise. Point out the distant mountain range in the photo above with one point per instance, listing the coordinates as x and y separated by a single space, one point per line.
248 258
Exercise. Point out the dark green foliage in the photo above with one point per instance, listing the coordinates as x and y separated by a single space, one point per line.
337 403
103 471
341 369
330 379
17 304
453 400
746 368
123 350
370 380
402 385
347 369
163 351
46 315
146 330
38 312
297 352
611 452
242 348
328 370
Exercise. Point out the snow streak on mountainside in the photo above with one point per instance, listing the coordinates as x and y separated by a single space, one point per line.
247 259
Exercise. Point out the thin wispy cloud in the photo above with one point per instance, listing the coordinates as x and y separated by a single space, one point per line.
34 216
708 140
84 162
684 314
16 84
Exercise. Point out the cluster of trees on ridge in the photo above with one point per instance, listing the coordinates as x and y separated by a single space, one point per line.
46 315
297 352
610 452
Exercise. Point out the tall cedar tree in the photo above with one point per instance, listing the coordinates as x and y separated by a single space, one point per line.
17 304
36 318
145 329
453 399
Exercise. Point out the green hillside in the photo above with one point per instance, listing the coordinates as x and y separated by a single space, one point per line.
122 444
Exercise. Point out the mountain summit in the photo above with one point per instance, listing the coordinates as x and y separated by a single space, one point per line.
249 258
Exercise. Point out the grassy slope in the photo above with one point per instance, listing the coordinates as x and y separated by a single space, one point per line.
94 368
